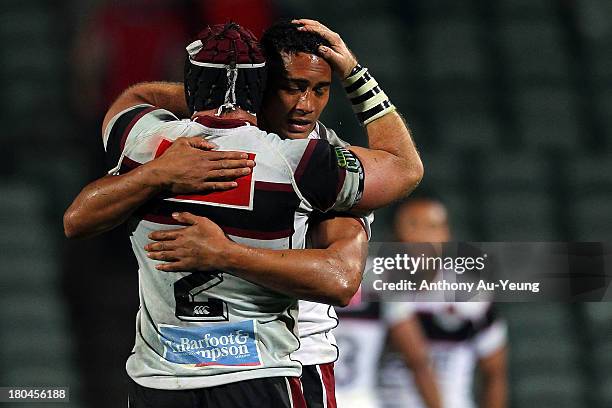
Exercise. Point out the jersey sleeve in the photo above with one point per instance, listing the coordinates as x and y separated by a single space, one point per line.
330 135
365 220
325 133
393 313
491 334
327 177
136 135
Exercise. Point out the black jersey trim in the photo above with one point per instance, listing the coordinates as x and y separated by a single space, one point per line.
120 131
319 177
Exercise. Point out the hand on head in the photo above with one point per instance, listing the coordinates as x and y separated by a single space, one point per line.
339 56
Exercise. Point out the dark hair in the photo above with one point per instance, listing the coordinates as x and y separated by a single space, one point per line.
424 193
284 36
225 45
420 194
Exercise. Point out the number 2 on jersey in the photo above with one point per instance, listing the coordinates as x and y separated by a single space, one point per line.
192 304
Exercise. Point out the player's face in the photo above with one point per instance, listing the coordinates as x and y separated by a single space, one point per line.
296 95
422 221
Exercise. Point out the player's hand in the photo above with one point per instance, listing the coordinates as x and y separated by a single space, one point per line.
190 166
200 246
341 59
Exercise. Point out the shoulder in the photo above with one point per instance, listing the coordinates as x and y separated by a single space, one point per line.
133 120
137 132
328 134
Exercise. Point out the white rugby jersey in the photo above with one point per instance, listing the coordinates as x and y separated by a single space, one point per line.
361 338
316 320
459 334
197 330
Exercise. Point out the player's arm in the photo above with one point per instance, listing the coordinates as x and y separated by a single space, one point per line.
490 345
166 95
331 274
186 167
494 379
408 338
392 163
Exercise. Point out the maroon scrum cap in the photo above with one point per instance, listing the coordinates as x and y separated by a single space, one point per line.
225 69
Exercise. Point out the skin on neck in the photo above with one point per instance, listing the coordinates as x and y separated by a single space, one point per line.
238 114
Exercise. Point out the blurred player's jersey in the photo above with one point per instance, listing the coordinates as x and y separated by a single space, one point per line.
197 330
360 335
459 334
316 320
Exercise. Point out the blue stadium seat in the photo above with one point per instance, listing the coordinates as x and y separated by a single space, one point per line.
590 189
444 171
544 355
549 390
518 216
527 9
463 116
452 50
547 117
604 107
445 9
514 172
534 49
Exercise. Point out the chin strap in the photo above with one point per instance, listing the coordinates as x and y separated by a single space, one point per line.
229 102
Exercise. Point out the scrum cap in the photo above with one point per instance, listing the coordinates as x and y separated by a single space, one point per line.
225 69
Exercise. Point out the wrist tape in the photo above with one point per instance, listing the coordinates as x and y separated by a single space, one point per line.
368 100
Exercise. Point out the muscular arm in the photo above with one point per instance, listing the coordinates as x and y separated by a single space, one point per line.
107 202
494 377
392 164
186 167
166 95
408 338
330 274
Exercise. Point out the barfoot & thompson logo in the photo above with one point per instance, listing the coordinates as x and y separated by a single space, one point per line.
227 344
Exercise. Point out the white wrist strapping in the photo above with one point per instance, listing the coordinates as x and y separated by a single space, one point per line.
369 101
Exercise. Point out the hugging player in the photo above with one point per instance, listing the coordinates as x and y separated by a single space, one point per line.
140 189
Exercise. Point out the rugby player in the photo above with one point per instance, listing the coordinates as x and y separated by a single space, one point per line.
296 94
297 91
459 336
366 201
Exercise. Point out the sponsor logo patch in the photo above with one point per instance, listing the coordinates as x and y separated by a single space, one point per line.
221 345
346 159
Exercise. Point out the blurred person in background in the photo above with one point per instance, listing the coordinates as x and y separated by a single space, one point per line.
459 336
124 43
361 336
258 15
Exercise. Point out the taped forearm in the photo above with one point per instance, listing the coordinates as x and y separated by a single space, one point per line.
369 101
385 128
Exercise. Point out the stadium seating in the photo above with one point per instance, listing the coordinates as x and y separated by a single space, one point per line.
498 94
545 355
34 320
547 118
